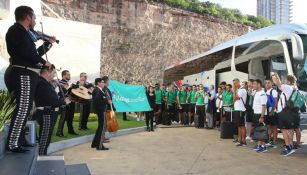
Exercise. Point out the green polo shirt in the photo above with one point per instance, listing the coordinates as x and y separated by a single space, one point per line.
192 97
200 98
171 97
158 94
227 98
182 96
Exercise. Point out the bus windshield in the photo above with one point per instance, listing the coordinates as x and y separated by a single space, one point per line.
300 67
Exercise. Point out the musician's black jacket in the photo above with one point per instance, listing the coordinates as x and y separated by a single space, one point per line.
21 47
66 91
106 89
45 95
99 100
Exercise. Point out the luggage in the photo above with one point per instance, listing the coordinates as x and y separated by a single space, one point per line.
184 118
227 129
261 133
166 120
199 121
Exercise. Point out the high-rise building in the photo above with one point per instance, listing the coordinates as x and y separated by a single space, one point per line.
279 11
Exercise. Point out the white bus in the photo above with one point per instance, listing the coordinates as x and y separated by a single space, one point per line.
278 48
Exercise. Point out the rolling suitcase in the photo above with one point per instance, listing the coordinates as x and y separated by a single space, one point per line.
166 118
227 128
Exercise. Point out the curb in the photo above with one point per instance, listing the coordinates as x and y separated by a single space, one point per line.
61 145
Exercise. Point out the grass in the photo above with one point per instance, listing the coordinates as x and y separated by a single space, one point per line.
92 125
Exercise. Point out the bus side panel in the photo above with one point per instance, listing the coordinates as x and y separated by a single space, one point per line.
230 75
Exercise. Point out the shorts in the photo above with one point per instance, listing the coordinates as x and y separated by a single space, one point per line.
192 107
238 118
297 121
158 107
256 118
227 115
249 116
183 108
271 120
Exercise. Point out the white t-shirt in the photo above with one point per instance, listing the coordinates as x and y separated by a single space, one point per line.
274 94
218 102
239 105
260 99
286 93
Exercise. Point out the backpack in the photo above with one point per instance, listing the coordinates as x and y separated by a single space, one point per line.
271 100
296 100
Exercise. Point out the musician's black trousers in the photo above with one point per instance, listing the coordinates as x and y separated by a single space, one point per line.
124 116
46 120
84 114
25 82
149 118
67 114
100 132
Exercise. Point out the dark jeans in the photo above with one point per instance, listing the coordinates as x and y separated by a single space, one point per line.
124 116
24 86
46 120
100 132
149 118
67 114
85 109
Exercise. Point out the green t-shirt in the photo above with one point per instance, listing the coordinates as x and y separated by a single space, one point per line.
227 98
192 96
200 99
158 94
171 97
182 96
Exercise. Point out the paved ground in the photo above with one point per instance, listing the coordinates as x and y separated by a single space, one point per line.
178 151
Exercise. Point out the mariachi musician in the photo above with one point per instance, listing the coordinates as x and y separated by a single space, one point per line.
67 112
100 101
47 104
85 108
23 74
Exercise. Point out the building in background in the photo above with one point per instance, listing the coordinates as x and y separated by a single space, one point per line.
279 11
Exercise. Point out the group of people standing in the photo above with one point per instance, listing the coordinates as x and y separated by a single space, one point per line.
30 79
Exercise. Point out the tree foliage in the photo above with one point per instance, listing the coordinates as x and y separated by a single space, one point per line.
213 9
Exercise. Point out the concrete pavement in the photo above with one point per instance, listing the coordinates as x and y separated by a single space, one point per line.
183 150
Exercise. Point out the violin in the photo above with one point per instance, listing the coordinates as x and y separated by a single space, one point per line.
39 35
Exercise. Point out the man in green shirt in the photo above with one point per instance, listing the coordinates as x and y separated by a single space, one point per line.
182 95
171 101
227 106
200 107
191 99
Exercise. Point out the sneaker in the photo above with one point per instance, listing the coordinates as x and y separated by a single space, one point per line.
262 149
287 152
248 138
296 147
269 144
256 148
241 144
235 141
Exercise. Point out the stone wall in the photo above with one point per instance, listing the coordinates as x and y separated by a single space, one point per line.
140 39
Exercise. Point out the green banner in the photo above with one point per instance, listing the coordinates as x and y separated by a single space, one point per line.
128 98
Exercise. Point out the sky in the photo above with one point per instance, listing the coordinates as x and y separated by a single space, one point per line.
250 7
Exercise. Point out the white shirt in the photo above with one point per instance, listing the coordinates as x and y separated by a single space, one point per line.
239 105
218 102
286 93
260 99
274 94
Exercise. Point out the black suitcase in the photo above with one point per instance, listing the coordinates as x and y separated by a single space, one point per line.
199 122
227 129
166 120
184 118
